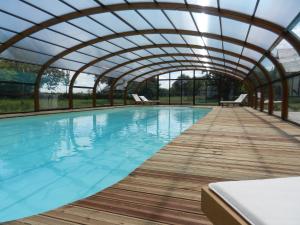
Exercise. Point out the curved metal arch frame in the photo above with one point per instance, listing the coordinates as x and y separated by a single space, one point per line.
247 83
139 32
268 25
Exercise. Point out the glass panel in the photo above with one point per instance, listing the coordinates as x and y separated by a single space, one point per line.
181 20
122 42
164 76
91 25
187 89
164 92
82 97
39 46
287 56
18 72
194 40
73 31
251 54
266 97
232 47
108 46
54 37
277 89
261 37
246 63
79 57
239 5
54 89
54 6
12 23
212 3
83 4
134 19
175 92
231 58
67 64
91 50
174 38
260 75
235 29
119 92
85 80
17 54
16 97
139 40
103 91
112 22
270 67
156 18
207 23
25 11
294 99
213 43
5 35
296 30
200 91
157 38
282 13
149 89
199 73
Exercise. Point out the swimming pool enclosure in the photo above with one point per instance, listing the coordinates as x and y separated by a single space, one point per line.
63 54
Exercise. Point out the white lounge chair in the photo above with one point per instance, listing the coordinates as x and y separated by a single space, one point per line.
137 99
266 201
274 102
145 100
238 101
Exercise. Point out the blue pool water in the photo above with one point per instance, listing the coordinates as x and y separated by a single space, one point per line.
48 161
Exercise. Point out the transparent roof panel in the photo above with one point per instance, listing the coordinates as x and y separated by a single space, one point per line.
156 51
5 35
157 38
235 29
12 23
56 38
83 4
239 6
139 40
134 19
122 42
85 80
24 56
261 37
194 40
89 24
282 13
108 46
76 56
212 43
156 18
232 47
212 3
251 54
269 66
296 29
174 38
73 31
55 7
24 10
112 22
39 46
246 63
207 23
181 20
91 50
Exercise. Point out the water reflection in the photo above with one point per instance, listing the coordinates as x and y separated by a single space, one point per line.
61 158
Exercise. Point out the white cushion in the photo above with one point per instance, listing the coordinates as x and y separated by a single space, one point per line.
263 202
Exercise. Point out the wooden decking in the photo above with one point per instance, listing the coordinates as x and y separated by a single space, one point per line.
228 144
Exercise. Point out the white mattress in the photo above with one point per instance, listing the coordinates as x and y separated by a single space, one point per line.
263 202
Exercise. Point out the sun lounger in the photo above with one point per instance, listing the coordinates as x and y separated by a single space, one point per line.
238 101
137 99
259 202
145 100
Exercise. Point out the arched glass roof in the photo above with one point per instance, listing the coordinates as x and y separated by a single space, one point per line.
128 38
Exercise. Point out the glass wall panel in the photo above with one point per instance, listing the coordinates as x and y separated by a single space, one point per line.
175 92
119 89
82 97
102 93
200 91
16 97
54 89
294 99
164 92
132 89
148 88
277 89
270 67
17 86
266 98
287 56
187 91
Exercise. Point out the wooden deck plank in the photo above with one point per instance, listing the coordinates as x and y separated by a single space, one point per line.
228 144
